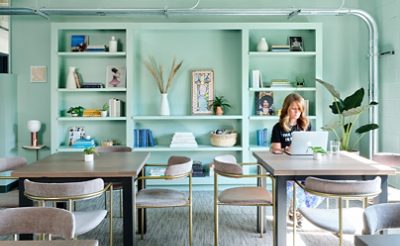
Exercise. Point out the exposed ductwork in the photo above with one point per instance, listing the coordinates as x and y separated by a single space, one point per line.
367 18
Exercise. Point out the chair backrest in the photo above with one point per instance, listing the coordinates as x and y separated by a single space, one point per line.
381 216
31 220
227 164
390 159
344 187
178 165
11 163
113 149
89 188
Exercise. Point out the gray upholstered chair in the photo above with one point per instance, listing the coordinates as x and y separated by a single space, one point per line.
382 216
10 199
392 160
227 166
108 149
176 168
333 219
32 220
85 221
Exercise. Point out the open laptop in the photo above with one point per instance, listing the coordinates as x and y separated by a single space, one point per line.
301 142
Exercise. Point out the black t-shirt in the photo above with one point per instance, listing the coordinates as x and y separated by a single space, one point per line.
281 136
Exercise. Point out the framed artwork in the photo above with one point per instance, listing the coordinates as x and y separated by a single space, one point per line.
202 91
296 44
38 74
115 77
264 103
79 42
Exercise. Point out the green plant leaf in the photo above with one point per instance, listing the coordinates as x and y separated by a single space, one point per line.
354 100
330 88
337 107
367 128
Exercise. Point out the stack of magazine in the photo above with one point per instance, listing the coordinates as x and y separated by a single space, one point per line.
183 140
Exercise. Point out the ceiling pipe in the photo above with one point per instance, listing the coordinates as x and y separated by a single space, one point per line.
367 18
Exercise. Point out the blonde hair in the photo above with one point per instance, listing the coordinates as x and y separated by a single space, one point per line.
302 121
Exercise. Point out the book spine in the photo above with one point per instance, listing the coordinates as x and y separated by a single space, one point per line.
265 137
136 138
259 134
143 138
150 138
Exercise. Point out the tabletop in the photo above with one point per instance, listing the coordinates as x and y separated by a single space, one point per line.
72 164
51 243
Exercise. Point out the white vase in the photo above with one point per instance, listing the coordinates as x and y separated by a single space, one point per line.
70 83
164 106
262 45
89 157
112 45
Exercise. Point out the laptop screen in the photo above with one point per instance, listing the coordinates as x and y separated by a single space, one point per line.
302 141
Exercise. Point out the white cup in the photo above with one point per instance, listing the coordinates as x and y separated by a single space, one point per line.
334 147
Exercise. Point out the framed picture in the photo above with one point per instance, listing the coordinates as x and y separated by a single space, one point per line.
79 42
115 77
38 74
296 44
202 91
264 103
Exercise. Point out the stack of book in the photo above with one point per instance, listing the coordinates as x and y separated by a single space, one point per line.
183 140
262 137
83 143
94 48
197 169
280 83
92 85
143 138
115 107
280 48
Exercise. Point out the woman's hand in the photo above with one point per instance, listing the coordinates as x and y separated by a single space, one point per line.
276 148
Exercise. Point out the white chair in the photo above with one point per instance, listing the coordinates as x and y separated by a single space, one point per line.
10 199
31 220
382 216
392 160
70 192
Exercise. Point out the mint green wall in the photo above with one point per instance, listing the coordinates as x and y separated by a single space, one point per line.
345 42
8 113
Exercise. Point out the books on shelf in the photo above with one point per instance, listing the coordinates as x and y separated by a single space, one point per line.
183 140
115 107
280 48
92 85
262 137
143 138
96 48
256 79
280 83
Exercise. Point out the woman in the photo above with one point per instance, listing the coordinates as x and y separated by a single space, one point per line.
292 119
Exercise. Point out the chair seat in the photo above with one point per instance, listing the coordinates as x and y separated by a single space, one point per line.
88 220
245 196
158 197
9 199
393 194
328 219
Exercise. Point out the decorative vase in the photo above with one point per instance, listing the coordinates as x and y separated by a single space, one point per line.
219 110
164 106
317 156
104 113
70 83
89 157
112 45
262 45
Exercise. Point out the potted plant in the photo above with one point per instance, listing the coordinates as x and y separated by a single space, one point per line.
104 110
76 111
318 152
219 105
89 153
348 111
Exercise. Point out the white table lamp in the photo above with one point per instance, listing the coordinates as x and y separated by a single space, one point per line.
34 127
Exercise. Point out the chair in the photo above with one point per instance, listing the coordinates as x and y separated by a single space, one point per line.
30 220
70 192
176 168
332 219
382 216
108 149
10 199
227 166
392 160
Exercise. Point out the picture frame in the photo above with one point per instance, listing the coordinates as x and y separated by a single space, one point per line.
38 74
115 77
202 91
265 103
296 43
79 42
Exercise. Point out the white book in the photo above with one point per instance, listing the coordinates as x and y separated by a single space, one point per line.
256 75
117 108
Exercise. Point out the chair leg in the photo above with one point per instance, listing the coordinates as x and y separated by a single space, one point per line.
111 215
340 221
262 221
215 210
120 203
190 225
142 223
294 213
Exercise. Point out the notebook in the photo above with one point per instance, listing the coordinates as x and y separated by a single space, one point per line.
301 142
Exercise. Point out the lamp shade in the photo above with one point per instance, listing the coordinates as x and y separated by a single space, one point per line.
34 125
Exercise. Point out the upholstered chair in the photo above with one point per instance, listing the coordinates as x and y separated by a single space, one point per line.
31 220
392 160
70 192
227 166
382 216
341 220
176 168
11 198
108 149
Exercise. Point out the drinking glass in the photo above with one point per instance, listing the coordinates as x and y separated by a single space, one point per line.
334 147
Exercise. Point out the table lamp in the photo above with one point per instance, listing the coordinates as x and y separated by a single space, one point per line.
34 127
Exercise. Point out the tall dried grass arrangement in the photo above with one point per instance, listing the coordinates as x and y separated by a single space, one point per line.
156 72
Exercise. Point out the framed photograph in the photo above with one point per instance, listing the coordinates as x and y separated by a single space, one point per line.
264 103
296 44
115 77
79 42
38 74
202 91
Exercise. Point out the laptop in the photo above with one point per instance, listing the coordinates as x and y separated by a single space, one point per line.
302 141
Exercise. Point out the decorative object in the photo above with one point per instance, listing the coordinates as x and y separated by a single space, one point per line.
89 154
296 44
264 103
113 45
79 42
202 91
104 110
156 71
34 128
76 111
262 45
348 111
38 74
115 77
219 105
318 152
70 83
256 79
223 138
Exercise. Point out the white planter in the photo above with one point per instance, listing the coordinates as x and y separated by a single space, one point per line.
89 157
104 113
317 156
164 106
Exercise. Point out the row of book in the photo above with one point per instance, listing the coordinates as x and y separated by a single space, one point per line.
262 137
115 107
143 138
280 48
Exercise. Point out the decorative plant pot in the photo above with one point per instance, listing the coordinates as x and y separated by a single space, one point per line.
89 157
219 111
317 156
104 113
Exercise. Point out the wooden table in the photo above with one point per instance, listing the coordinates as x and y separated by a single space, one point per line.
51 243
118 167
343 166
377 240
